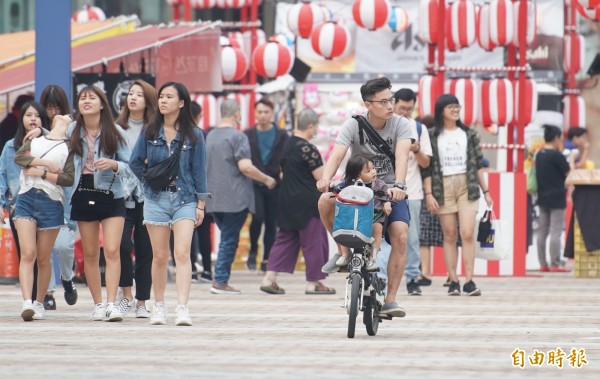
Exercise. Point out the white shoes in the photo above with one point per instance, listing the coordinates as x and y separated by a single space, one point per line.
142 312
159 314
113 314
99 312
40 312
125 306
182 316
27 311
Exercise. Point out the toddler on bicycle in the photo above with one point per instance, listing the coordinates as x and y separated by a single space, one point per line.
360 167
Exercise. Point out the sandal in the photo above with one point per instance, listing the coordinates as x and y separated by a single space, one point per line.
320 289
273 289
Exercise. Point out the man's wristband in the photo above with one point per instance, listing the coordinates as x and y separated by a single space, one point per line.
486 191
44 174
202 209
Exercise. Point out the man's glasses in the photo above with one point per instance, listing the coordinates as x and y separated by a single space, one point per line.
384 102
406 110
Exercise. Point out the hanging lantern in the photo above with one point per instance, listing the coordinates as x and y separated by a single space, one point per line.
593 14
463 23
371 14
236 39
260 38
531 23
203 4
303 17
574 52
574 111
330 40
501 22
590 4
428 23
89 13
225 4
398 21
450 45
466 92
175 2
529 100
272 59
483 28
209 110
234 64
429 91
496 102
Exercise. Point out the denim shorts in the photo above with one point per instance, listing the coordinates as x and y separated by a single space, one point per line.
400 212
168 209
37 206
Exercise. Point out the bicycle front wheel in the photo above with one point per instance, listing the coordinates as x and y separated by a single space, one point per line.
355 293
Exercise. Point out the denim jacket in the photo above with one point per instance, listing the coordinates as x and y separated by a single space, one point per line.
9 175
191 181
103 179
474 164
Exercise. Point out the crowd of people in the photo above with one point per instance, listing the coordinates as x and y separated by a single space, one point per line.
93 173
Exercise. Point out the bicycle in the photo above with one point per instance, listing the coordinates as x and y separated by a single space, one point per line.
363 287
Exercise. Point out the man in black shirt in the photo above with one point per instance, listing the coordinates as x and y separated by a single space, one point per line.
298 214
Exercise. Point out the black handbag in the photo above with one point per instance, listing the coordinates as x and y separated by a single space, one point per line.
485 227
162 174
93 197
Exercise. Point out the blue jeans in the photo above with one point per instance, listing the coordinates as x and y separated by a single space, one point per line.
230 225
413 257
64 253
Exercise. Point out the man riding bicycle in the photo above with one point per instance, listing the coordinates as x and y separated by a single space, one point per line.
396 133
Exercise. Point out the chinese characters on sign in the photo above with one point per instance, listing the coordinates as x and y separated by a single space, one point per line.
557 358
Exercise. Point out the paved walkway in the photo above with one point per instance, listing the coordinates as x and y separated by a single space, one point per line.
298 336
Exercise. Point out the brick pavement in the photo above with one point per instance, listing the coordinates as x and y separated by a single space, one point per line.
298 336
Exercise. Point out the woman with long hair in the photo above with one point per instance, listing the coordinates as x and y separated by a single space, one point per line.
180 205
54 100
101 157
47 167
452 183
139 108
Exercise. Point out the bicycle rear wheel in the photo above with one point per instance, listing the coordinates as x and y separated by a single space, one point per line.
356 282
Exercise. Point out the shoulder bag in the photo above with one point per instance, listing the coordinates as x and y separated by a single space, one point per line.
162 174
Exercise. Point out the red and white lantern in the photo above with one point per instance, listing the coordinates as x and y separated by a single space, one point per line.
590 4
175 2
428 21
450 45
398 21
483 28
234 64
371 14
496 102
574 52
303 17
428 92
529 101
466 90
501 22
593 14
226 4
531 23
330 40
259 39
272 59
236 39
210 111
574 111
203 4
89 13
463 23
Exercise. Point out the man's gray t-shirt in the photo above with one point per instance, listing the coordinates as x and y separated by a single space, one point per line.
395 129
231 190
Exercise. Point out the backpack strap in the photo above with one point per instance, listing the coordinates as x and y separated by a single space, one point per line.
379 143
419 130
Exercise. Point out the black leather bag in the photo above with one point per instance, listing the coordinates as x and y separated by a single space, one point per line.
162 174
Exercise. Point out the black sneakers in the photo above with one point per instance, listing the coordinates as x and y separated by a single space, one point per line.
424 281
70 291
470 289
413 288
454 289
49 302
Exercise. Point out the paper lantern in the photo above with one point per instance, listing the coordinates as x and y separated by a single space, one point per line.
210 111
428 21
203 4
330 40
89 13
272 59
232 3
259 39
531 23
574 111
528 100
497 102
234 64
483 28
466 90
463 23
589 4
593 14
303 17
574 52
236 39
428 92
371 14
398 21
501 22
450 45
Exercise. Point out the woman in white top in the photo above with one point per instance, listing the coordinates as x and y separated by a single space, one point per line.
452 183
39 214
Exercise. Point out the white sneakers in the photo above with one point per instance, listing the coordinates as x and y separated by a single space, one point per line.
99 312
32 310
113 314
159 315
141 311
125 306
